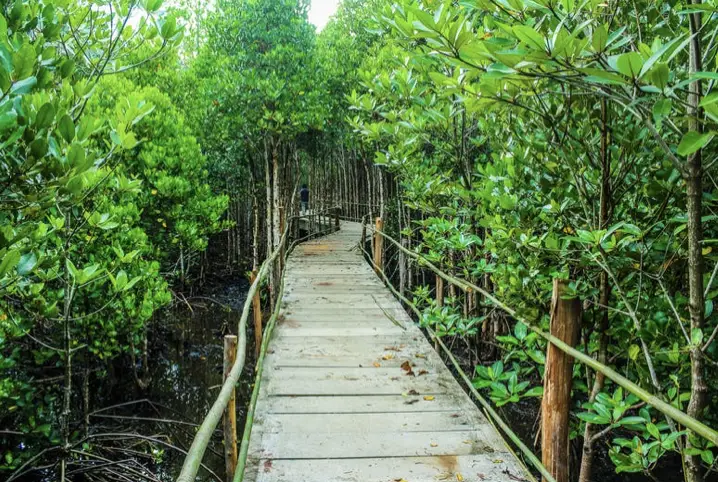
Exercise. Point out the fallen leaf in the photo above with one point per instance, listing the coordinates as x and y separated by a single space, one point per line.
267 465
455 415
434 444
420 355
498 461
459 477
413 392
377 364
411 402
467 442
393 348
406 366
428 398
423 372
388 356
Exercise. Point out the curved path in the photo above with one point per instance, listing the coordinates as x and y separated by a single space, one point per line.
353 391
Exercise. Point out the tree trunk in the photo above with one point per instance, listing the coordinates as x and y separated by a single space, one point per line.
604 295
694 184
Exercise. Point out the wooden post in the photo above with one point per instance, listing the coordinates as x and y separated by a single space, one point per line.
336 218
378 245
565 325
439 301
281 233
257 313
230 413
439 291
363 232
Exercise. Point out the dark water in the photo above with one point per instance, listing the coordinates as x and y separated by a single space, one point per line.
186 356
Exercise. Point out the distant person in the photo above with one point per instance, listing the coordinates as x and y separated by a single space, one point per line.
304 198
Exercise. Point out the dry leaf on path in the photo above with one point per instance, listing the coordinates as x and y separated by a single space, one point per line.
406 366
428 398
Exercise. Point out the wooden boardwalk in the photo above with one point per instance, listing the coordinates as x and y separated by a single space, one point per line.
337 400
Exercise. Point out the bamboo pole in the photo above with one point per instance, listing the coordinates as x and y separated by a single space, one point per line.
230 413
491 413
558 378
246 434
195 454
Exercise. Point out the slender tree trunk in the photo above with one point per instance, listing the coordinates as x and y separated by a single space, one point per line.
268 219
694 184
276 215
604 295
67 389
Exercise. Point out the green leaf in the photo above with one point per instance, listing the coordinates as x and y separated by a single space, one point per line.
660 75
8 119
76 155
9 261
709 99
696 336
657 55
632 421
45 116
600 76
24 86
26 264
67 128
630 64
594 418
707 457
534 392
693 141
653 430
599 38
530 37
520 330
24 61
74 272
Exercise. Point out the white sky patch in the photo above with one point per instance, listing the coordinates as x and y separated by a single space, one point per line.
320 11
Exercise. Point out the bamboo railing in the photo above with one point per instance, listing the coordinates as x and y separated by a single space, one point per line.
195 454
646 396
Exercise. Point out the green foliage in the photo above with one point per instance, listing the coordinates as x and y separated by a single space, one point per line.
551 139
88 162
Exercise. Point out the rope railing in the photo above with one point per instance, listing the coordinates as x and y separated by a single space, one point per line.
649 398
195 454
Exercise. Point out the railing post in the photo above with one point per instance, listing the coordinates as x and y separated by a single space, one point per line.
363 232
439 291
282 222
565 325
257 314
378 245
230 413
336 218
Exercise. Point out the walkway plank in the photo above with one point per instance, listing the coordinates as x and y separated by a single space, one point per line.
337 402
